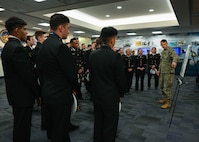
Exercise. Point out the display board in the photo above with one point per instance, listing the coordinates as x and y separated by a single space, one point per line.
144 50
184 64
177 50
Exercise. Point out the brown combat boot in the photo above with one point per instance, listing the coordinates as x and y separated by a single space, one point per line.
163 101
166 105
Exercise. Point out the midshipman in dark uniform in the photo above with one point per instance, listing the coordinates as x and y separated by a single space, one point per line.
153 66
140 66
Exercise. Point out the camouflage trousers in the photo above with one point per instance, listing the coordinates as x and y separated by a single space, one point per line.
166 83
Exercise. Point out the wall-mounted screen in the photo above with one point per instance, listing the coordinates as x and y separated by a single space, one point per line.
145 50
177 50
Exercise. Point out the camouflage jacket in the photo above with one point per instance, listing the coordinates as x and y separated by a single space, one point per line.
167 57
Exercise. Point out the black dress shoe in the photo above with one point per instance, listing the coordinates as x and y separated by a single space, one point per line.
73 127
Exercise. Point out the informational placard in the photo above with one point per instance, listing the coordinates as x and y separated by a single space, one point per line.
185 61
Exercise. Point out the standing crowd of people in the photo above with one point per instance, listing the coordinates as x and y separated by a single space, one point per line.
52 71
140 65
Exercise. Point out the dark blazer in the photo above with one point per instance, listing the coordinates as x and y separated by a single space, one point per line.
21 83
107 76
57 71
140 61
154 60
35 52
86 59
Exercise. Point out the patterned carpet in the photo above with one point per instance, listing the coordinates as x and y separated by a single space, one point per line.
141 118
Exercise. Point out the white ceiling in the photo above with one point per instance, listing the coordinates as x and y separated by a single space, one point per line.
33 13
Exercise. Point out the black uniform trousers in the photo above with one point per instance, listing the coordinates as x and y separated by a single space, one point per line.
22 123
59 122
106 122
88 87
129 79
87 84
78 91
139 75
156 78
44 119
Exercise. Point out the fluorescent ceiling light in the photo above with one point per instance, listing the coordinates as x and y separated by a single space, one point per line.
1 21
44 24
2 9
157 32
131 33
79 32
95 36
151 10
108 16
39 0
141 19
119 7
36 28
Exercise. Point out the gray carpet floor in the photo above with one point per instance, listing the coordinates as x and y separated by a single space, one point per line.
141 118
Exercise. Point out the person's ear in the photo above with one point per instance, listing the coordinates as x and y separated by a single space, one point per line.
16 31
112 40
60 28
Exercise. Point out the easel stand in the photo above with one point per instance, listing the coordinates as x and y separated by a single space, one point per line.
180 82
175 97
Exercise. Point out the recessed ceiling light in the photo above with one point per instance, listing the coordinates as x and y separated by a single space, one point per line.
36 28
39 0
119 7
2 9
79 32
1 21
151 10
131 33
44 24
157 32
95 36
108 16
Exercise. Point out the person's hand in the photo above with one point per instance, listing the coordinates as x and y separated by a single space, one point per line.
158 73
80 71
142 68
74 92
130 69
39 101
173 65
87 71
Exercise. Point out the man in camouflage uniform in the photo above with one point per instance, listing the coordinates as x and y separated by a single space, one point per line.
166 71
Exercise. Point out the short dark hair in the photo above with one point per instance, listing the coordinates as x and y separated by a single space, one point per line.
98 42
14 22
39 33
28 37
163 40
73 39
107 32
58 19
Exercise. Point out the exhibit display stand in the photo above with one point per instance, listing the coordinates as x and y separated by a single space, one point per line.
179 82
